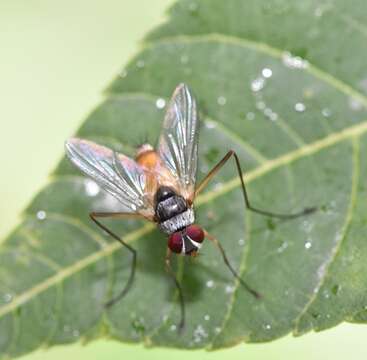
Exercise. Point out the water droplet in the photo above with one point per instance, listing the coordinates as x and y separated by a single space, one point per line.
66 328
326 294
8 298
318 11
41 215
91 187
217 329
210 125
160 103
273 116
221 100
355 104
267 326
123 73
229 289
217 186
258 84
300 107
140 64
260 105
268 112
199 334
241 242
267 73
184 59
326 112
210 283
193 7
282 247
308 245
206 317
294 62
173 327
250 115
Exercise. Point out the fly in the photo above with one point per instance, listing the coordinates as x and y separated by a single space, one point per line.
159 185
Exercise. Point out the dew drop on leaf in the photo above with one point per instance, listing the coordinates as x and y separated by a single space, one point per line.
300 107
250 116
123 73
282 247
41 215
199 334
257 84
326 112
160 103
355 104
217 329
193 7
140 64
294 62
184 59
7 298
91 187
260 105
210 284
267 73
221 100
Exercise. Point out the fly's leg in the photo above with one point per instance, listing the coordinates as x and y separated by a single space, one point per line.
228 264
178 287
220 164
93 216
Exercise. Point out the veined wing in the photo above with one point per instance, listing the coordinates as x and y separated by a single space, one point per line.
119 175
178 142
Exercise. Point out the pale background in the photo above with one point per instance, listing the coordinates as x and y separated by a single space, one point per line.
56 57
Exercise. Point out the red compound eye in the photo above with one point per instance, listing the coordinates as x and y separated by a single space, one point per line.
175 242
196 233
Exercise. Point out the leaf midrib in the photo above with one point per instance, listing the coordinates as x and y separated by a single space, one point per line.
268 166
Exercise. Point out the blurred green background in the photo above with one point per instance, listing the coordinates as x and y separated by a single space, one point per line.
56 58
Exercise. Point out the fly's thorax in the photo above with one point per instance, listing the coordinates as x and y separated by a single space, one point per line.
172 211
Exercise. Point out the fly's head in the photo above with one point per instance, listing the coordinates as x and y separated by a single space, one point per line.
187 241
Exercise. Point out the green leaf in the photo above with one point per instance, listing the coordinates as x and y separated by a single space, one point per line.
284 84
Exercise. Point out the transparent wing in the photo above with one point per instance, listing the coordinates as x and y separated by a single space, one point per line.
178 142
119 175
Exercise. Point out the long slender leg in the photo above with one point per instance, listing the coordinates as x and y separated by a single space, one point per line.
179 289
220 164
93 216
216 242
